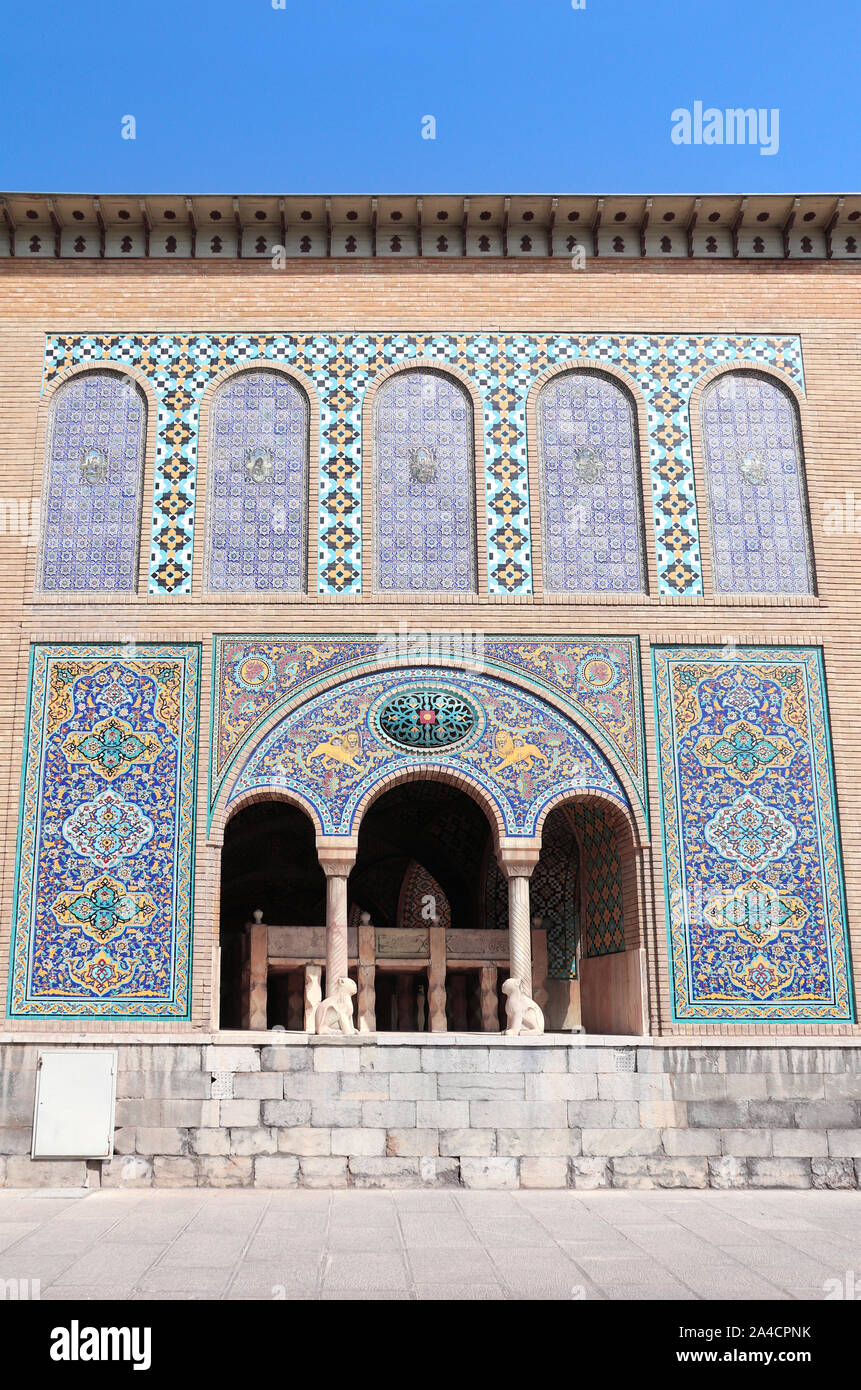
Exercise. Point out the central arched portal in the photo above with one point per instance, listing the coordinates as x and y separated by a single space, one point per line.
428 905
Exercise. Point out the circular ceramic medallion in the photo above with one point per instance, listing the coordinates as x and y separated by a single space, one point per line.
253 671
599 672
427 719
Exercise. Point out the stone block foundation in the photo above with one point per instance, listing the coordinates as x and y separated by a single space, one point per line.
478 1111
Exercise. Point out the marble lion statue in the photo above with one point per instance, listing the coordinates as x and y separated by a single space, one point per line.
521 1010
335 1013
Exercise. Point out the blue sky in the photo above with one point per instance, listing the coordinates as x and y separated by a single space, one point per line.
328 96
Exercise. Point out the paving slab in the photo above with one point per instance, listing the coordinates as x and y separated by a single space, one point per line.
421 1245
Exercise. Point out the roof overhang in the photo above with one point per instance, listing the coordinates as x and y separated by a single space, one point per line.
434 226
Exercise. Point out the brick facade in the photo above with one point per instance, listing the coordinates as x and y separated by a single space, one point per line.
817 301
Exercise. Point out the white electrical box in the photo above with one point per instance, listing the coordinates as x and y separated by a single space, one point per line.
75 1103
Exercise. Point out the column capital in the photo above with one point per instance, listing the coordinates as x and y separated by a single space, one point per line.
337 855
517 857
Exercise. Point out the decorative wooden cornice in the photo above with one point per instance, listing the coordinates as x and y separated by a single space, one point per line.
68 226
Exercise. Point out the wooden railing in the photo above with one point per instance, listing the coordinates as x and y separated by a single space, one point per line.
425 948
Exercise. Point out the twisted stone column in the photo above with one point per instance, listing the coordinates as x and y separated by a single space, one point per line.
519 930
337 956
336 861
517 862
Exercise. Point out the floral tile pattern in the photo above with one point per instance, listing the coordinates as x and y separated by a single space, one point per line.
503 368
752 860
106 839
595 679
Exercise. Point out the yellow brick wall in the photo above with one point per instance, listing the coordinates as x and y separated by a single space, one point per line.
819 301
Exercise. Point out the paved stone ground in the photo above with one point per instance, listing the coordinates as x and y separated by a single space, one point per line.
198 1244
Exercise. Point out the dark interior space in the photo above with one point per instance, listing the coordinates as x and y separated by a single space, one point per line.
440 827
269 861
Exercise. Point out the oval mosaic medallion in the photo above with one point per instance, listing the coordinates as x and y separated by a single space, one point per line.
427 719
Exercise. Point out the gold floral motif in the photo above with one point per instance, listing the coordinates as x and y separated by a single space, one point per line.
761 977
101 973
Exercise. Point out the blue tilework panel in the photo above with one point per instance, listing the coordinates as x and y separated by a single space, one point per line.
424 485
756 489
554 894
503 368
595 679
258 517
520 752
590 486
603 903
92 506
106 839
754 879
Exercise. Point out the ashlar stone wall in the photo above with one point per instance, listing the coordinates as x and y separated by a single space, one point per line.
430 1110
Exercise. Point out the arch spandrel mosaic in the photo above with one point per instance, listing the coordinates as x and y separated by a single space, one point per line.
756 491
523 754
94 484
597 680
258 485
591 504
754 879
106 838
503 368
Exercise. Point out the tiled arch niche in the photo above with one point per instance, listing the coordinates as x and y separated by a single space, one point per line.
502 369
257 494
95 456
759 521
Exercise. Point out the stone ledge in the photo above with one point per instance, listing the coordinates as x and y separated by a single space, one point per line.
671 1041
478 1170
